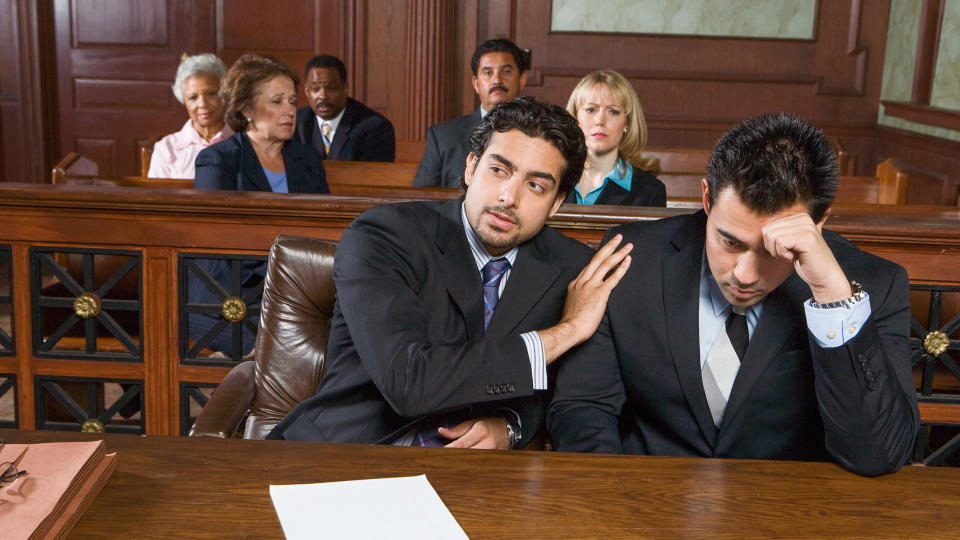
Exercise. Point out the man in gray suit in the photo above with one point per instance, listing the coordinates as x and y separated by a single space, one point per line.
499 74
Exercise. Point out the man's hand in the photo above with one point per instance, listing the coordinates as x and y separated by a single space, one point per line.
587 299
797 238
486 433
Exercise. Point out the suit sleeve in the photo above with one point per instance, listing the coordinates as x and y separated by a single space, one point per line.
379 142
215 172
430 171
865 388
584 415
378 272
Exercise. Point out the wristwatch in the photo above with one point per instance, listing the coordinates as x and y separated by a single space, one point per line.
513 434
858 296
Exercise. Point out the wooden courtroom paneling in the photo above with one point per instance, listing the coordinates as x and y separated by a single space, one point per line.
115 61
694 87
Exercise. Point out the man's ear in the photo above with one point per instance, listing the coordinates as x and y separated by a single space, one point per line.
705 187
523 81
476 87
824 219
556 204
471 166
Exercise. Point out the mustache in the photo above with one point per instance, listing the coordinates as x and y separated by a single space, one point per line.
323 102
505 211
499 87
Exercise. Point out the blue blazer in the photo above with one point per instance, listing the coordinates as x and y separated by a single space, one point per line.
232 165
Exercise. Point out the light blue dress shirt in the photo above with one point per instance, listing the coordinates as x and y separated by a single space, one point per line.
624 181
278 181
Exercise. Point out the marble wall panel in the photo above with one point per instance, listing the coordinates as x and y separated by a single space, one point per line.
901 58
946 81
783 19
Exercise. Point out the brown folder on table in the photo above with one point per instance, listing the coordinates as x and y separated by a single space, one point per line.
62 480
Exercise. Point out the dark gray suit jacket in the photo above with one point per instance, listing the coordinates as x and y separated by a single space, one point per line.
232 164
445 152
407 339
645 190
362 135
791 399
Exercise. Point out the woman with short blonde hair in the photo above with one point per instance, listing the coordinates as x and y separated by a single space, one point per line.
616 172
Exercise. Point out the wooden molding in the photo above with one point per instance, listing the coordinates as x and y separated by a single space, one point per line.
924 114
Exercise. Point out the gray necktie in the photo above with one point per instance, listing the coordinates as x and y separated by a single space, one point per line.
723 363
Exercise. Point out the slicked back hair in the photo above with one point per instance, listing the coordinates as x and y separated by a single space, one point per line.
774 161
499 45
326 61
535 117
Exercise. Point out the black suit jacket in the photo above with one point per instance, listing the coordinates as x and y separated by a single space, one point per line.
445 152
362 134
645 190
407 339
232 165
791 399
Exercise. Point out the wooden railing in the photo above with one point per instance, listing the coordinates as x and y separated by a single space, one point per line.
160 228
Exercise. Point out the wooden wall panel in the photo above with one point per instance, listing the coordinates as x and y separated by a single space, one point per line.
140 22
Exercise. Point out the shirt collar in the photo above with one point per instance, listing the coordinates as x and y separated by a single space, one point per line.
626 179
188 135
480 255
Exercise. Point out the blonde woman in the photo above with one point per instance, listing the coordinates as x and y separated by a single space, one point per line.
616 172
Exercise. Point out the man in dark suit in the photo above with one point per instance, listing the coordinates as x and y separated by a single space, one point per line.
339 127
741 334
499 74
448 314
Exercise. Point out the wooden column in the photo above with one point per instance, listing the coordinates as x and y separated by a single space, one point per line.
431 66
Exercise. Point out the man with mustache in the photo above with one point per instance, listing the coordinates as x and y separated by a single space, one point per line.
747 330
339 127
499 74
448 313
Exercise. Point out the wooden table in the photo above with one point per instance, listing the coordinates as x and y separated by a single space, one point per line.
210 488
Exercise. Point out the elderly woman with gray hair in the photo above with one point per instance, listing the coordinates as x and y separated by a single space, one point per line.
197 86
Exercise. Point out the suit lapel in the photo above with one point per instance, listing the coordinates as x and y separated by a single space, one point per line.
343 132
250 167
459 272
612 194
295 165
681 303
530 278
782 313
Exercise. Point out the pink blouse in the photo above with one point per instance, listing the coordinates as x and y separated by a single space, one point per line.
173 155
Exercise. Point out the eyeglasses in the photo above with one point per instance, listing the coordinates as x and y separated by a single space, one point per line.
9 471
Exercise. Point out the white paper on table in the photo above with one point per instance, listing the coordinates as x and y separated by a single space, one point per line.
405 507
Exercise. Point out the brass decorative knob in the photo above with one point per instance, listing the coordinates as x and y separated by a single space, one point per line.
86 305
936 342
92 425
233 309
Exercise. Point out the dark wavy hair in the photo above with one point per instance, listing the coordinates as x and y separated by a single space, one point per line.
774 161
241 85
520 56
535 117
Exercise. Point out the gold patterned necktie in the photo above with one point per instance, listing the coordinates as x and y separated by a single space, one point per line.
325 130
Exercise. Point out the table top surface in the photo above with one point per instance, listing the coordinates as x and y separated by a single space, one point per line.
211 488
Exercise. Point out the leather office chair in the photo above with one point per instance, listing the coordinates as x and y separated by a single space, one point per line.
295 313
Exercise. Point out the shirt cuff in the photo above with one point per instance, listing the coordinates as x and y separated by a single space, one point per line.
832 327
538 359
